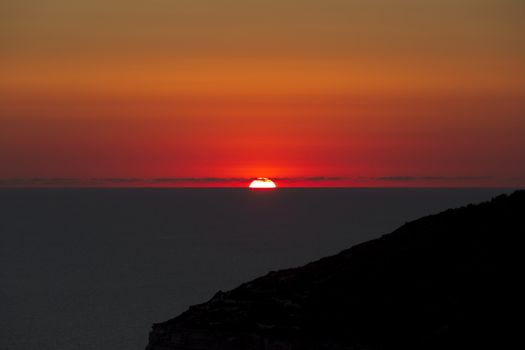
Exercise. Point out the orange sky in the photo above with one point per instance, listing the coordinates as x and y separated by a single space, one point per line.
316 93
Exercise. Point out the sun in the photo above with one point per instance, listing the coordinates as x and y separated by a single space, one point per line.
262 182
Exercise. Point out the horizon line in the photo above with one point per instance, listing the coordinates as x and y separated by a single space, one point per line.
394 181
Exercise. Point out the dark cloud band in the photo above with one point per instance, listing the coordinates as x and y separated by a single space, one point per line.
166 181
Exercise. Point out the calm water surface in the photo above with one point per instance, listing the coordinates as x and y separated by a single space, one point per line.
94 268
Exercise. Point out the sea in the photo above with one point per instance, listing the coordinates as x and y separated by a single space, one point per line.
95 268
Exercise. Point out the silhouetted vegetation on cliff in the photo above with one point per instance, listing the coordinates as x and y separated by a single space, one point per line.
443 281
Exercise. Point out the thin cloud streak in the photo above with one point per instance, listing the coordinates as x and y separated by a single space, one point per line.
200 181
430 178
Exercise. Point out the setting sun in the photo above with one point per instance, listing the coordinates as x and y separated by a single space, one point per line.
262 182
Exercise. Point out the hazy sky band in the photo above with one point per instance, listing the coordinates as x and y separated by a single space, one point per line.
240 89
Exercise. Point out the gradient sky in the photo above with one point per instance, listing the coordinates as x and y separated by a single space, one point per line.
210 93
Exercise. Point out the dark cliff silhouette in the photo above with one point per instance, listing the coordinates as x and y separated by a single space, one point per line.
443 281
